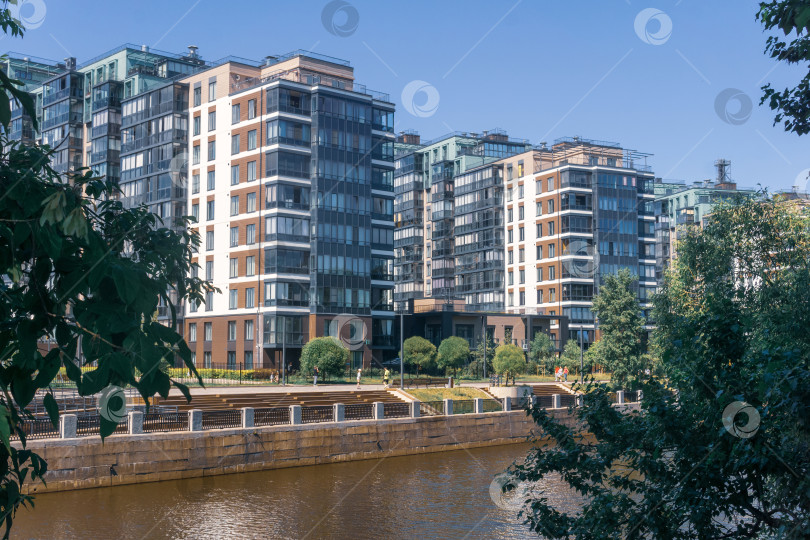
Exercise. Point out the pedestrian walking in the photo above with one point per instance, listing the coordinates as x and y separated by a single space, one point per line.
565 373
556 374
359 372
386 377
315 376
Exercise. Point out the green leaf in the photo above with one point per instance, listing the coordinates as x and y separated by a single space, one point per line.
5 427
52 408
73 372
106 427
23 388
183 390
127 290
5 110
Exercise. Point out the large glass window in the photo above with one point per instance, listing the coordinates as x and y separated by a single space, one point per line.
286 228
287 196
288 164
286 294
288 132
286 261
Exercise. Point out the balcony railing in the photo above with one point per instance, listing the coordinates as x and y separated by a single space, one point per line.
273 237
104 103
290 205
68 117
286 338
53 97
172 135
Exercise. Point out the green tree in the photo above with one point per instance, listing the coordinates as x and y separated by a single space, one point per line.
87 274
543 352
619 317
788 18
328 353
420 352
509 359
453 352
482 356
728 454
570 356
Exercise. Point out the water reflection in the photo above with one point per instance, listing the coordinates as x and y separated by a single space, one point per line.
441 495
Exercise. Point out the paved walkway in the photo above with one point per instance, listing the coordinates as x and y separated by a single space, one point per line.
279 389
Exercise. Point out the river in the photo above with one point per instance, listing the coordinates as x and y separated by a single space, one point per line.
438 495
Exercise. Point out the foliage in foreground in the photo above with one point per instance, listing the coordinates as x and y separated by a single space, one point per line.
728 454
86 274
791 18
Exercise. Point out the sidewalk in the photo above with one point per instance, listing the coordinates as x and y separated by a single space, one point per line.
289 389
275 389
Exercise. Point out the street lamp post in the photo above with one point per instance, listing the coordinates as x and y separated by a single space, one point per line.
401 346
581 361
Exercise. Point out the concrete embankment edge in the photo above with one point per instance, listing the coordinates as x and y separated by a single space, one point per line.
132 459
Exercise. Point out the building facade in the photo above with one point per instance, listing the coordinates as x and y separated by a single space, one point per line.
438 206
678 206
583 211
291 168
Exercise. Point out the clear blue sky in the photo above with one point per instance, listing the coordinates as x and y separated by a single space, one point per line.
538 69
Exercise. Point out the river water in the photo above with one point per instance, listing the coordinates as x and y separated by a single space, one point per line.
439 495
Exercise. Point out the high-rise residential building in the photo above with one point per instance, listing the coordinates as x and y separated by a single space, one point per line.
286 164
79 106
120 107
291 173
678 205
576 212
445 218
32 72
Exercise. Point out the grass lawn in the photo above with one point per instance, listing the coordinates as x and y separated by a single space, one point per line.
438 394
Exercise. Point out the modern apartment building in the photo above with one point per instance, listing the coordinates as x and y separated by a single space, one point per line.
32 72
575 213
447 218
678 205
79 106
291 168
286 163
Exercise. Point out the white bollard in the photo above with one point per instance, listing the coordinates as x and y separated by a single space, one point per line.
67 426
247 417
338 412
135 422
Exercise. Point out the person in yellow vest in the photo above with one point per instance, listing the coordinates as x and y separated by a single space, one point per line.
386 378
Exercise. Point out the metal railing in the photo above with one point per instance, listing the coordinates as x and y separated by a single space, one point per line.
317 413
492 405
358 411
40 427
463 406
523 402
273 416
431 408
222 419
37 428
396 410
155 422
87 425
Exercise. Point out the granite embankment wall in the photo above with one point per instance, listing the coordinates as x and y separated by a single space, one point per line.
129 459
